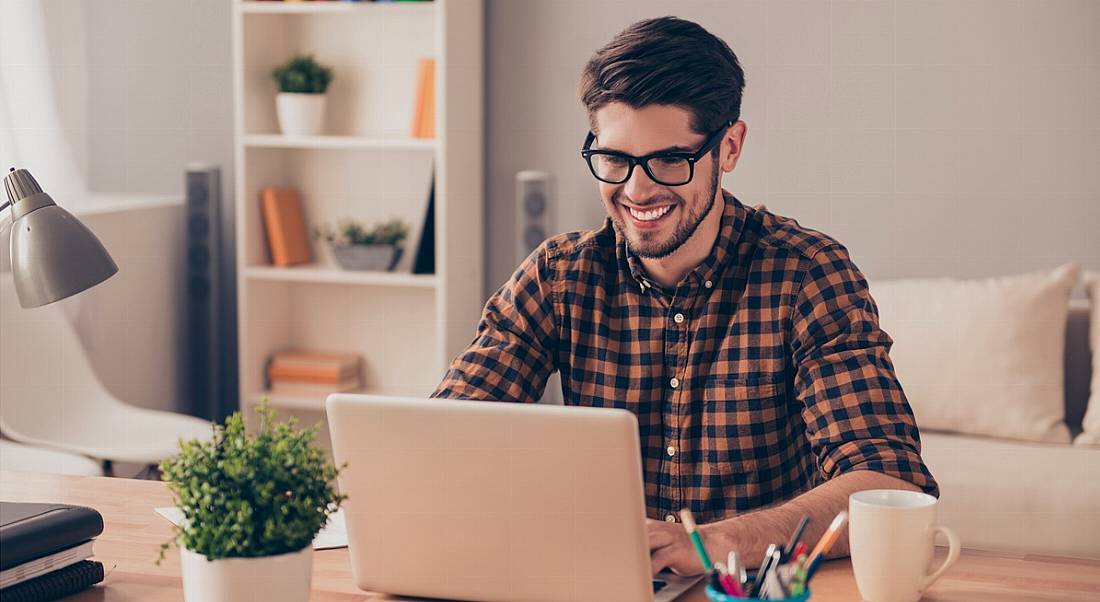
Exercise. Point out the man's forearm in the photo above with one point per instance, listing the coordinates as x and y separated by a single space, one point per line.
749 534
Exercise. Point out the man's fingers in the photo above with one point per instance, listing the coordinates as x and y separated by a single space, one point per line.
661 559
660 537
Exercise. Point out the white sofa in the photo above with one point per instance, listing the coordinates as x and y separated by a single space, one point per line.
1005 495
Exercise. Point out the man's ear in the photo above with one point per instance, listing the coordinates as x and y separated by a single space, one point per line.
732 145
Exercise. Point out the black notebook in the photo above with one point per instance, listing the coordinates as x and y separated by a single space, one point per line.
57 584
30 531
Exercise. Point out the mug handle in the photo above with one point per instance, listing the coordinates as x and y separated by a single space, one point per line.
952 556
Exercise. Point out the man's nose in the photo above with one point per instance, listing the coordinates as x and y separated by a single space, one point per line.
640 187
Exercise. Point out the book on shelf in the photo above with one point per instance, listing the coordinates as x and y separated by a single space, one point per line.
314 374
330 366
285 225
319 390
424 258
423 125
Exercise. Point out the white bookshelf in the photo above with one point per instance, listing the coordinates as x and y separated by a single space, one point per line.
406 326
331 275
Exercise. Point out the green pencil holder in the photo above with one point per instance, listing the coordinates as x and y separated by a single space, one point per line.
718 596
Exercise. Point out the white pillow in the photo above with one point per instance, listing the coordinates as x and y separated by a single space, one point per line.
982 356
1091 423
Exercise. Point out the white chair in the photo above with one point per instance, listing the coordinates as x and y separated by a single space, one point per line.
24 458
50 396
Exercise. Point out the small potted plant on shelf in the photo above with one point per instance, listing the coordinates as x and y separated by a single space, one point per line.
359 248
251 506
300 104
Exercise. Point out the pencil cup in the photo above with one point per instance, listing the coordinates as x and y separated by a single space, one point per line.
718 596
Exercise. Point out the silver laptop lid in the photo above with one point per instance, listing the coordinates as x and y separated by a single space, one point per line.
492 501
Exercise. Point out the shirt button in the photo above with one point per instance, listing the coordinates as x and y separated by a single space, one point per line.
671 451
670 518
678 318
708 284
675 382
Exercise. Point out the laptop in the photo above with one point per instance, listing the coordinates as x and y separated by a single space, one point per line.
472 500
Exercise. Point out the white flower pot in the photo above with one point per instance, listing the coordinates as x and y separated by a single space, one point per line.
300 114
282 578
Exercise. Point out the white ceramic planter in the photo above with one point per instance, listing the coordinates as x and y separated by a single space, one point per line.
282 578
300 114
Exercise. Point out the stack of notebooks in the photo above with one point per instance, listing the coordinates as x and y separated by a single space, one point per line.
308 374
44 551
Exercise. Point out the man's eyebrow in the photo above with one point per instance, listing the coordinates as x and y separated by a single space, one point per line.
667 149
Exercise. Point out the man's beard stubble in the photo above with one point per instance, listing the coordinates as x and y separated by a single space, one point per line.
680 235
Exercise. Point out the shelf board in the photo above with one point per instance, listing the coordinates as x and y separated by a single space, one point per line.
317 403
331 7
291 402
338 142
335 275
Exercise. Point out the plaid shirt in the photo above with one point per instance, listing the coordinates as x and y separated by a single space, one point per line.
761 375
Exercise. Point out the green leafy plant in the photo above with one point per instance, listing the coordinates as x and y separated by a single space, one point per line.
351 232
301 74
245 496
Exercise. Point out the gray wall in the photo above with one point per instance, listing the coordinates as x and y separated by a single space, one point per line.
106 102
932 138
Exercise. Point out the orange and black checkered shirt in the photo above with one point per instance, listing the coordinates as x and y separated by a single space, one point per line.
761 375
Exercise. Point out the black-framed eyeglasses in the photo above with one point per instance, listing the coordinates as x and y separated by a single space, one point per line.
667 168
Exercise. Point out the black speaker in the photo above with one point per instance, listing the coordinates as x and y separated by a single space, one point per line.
203 355
533 209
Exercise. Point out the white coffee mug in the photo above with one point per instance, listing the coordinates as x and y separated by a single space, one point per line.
891 533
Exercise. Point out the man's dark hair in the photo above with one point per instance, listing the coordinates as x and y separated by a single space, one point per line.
667 61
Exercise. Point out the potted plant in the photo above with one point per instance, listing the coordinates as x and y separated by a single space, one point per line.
251 506
360 248
300 104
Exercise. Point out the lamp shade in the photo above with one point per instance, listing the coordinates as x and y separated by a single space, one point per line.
53 255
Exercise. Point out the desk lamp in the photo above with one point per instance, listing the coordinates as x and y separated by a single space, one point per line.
53 255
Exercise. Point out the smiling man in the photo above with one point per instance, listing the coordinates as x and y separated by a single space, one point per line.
747 345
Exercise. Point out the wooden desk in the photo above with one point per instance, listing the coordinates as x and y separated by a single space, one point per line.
133 534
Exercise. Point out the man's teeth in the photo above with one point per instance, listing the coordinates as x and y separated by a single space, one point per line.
648 216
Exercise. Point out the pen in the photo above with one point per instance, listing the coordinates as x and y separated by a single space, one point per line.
693 533
765 566
724 579
799 550
799 576
736 568
826 542
795 537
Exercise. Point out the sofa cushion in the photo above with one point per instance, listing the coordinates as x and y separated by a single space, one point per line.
982 356
1017 496
1090 425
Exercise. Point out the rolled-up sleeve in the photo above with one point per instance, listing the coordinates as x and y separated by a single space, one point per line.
512 354
856 414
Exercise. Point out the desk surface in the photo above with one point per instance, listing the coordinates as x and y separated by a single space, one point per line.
133 534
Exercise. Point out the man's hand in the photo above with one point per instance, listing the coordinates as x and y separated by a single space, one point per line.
671 548
749 534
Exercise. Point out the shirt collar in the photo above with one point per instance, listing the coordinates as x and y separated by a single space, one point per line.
734 216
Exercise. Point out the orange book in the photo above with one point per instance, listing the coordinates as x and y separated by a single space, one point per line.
313 367
319 375
309 358
286 226
423 125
